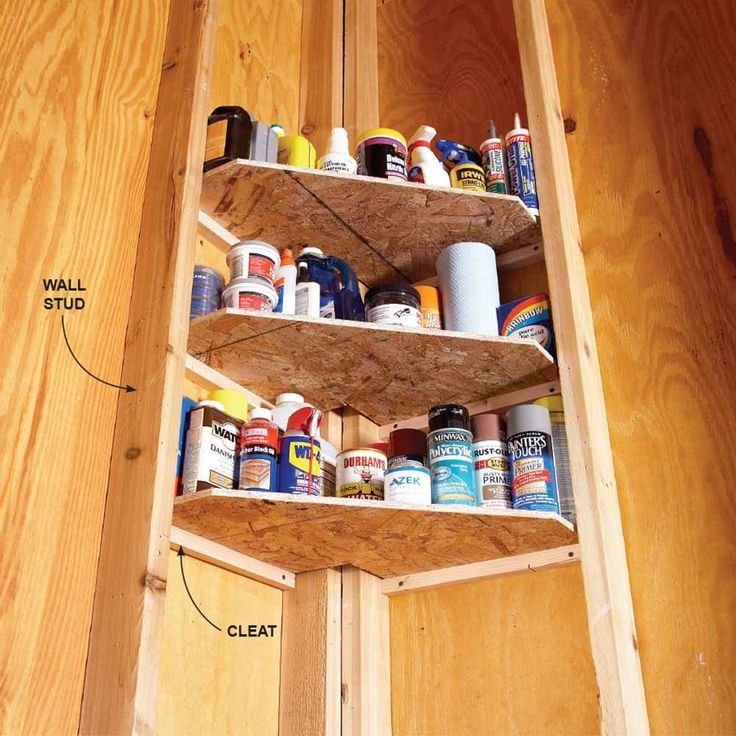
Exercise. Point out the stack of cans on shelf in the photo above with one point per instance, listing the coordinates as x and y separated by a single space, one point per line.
207 286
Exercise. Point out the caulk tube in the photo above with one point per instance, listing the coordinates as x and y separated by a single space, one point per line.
533 477
450 447
491 151
522 181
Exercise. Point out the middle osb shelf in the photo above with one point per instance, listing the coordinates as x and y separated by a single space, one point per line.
300 533
387 374
386 230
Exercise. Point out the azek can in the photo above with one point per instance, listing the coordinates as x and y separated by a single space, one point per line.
450 445
360 474
408 484
534 484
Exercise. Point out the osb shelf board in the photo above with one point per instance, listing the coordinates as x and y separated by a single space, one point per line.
386 230
387 374
386 539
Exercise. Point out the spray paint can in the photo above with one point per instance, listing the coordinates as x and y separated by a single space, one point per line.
490 456
491 151
407 448
533 478
300 466
522 181
259 446
450 445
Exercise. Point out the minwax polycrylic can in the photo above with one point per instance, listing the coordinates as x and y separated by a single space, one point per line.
522 181
533 478
450 449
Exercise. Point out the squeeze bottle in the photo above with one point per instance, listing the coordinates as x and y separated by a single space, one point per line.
425 167
338 160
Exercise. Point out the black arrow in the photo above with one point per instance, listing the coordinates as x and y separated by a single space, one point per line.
127 389
180 553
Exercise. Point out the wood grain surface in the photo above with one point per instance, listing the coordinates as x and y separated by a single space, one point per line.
257 59
453 65
355 217
75 133
505 656
385 373
656 195
211 683
386 539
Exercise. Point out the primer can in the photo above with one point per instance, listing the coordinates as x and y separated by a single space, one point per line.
491 462
259 446
533 478
360 474
450 446
408 484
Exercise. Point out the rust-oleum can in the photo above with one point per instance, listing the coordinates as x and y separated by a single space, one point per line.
490 456
450 445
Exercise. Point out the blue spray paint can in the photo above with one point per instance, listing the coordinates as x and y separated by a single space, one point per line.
533 477
300 461
450 449
520 165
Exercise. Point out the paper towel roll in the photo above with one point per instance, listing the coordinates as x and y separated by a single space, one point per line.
469 286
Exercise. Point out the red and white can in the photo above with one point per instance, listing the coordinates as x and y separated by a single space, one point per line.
360 474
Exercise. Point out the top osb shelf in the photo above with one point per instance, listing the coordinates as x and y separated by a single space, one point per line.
386 230
302 533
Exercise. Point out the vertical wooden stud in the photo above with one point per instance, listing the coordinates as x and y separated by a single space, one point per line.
603 555
366 656
122 663
331 428
357 430
361 67
321 76
310 656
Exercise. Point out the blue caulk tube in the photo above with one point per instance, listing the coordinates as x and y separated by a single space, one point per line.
450 449
533 477
520 163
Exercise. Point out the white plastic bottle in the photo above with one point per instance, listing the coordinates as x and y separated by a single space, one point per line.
338 160
306 301
286 405
425 167
285 283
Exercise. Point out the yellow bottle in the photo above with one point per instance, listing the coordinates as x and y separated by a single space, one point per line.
296 150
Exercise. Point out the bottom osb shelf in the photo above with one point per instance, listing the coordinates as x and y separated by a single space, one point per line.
386 539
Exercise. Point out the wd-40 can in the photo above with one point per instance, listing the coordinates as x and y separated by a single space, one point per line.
450 446
522 181
533 478
300 460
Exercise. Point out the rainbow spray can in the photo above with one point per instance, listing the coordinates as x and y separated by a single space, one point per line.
522 181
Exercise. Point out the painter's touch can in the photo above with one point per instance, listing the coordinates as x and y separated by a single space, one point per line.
491 462
533 478
381 152
522 181
450 447
360 474
408 484
469 177
300 465
407 447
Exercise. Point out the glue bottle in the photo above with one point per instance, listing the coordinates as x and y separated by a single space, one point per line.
468 176
522 181
285 283
338 160
425 167
491 151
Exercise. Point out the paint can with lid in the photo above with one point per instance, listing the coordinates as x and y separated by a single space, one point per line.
491 462
253 259
360 474
450 449
533 477
408 484
381 152
393 304
253 294
407 448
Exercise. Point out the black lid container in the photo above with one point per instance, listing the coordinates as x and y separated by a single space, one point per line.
448 416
